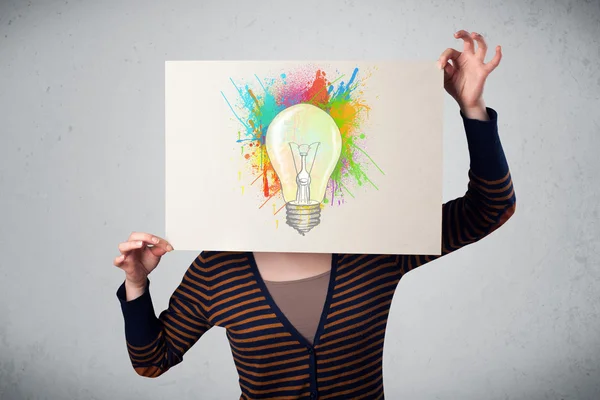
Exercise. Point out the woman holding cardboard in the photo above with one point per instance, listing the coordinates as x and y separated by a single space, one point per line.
313 325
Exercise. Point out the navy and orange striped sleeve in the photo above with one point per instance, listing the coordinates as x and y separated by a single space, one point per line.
490 197
156 344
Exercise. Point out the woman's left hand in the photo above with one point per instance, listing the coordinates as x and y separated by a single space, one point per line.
465 77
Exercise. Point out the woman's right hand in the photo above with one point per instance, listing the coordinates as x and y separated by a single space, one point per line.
140 254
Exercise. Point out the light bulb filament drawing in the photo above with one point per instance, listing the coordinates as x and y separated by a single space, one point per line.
303 172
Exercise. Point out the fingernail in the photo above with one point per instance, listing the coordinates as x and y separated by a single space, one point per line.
169 248
140 243
155 240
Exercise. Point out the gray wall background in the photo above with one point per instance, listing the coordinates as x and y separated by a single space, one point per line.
515 316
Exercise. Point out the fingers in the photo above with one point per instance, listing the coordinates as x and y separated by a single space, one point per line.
481 49
126 247
489 67
151 239
119 260
468 40
138 240
448 54
481 46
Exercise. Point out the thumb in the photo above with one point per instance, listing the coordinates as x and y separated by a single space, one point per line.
157 251
448 71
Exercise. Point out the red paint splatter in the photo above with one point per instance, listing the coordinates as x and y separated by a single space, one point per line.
317 93
265 185
303 86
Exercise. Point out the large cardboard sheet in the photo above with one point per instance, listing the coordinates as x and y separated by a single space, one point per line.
304 156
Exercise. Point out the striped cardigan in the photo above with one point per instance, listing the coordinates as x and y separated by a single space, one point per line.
273 360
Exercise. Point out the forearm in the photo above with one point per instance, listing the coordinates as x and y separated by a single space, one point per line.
142 327
486 154
155 344
490 198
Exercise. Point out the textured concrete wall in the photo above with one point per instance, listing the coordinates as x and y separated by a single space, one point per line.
515 316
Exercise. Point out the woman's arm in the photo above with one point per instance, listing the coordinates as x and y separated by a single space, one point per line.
157 344
490 198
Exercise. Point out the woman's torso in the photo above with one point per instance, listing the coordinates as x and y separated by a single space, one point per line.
274 360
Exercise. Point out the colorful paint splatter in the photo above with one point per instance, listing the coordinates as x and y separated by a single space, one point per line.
261 99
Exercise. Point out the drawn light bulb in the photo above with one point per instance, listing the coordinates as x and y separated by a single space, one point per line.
304 145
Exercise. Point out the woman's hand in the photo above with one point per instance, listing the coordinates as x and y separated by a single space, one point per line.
140 255
465 77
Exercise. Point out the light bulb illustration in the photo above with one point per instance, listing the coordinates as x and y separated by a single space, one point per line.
304 145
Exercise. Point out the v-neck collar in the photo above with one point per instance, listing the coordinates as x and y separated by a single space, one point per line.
281 316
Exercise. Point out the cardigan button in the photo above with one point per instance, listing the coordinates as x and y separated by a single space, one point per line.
313 395
310 351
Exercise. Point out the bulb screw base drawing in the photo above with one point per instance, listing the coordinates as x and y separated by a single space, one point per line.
303 217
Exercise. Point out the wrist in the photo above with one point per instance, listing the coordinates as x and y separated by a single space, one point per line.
133 289
135 283
476 111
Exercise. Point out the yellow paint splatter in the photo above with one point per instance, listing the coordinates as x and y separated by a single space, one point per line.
242 190
276 224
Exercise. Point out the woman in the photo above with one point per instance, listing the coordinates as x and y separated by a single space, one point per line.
312 325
